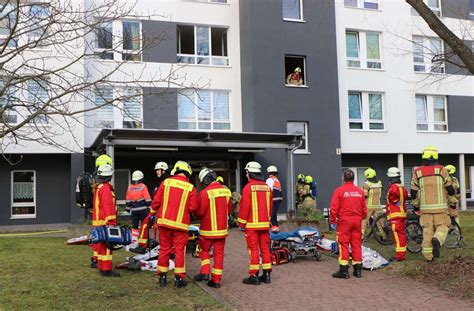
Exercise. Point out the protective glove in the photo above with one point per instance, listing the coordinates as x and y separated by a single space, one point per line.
151 219
332 226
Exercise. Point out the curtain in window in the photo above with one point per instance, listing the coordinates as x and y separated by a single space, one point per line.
436 47
221 106
23 191
202 40
352 49
131 35
354 107
375 106
439 111
204 105
373 48
186 111
104 116
132 105
418 50
351 3
421 111
291 9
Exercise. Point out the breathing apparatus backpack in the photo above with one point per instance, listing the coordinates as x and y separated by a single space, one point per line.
84 191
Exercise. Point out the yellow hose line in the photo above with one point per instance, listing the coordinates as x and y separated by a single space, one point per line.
31 233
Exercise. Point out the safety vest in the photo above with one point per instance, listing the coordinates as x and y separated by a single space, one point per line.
430 182
104 209
216 204
255 206
396 198
373 194
277 190
176 195
137 197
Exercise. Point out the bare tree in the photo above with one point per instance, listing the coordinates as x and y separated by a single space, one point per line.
456 44
51 72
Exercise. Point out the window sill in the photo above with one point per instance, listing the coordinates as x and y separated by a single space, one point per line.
429 73
117 61
297 86
208 2
294 20
433 132
205 66
362 9
22 216
368 131
366 69
302 152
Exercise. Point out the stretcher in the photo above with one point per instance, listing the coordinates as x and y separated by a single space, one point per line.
302 242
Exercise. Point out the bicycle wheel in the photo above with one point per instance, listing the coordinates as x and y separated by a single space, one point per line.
454 236
382 231
414 235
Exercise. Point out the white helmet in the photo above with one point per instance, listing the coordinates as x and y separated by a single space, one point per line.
393 172
161 166
105 170
203 173
137 175
272 169
253 167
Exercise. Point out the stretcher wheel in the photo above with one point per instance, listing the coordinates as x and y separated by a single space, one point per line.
317 256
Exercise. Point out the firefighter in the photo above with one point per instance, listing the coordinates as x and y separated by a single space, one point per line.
161 169
104 213
299 189
254 219
373 194
215 205
295 78
308 206
397 212
138 201
348 208
172 204
453 212
274 183
432 191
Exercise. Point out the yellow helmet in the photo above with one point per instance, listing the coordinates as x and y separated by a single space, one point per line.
220 179
103 160
300 176
370 173
308 179
182 166
430 153
451 169
298 69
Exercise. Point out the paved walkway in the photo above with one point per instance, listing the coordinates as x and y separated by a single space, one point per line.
308 285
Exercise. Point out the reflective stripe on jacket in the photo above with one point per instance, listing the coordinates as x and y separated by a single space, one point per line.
396 198
138 198
255 206
274 183
174 201
104 209
215 204
373 194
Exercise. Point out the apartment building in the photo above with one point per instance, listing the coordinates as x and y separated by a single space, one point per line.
366 98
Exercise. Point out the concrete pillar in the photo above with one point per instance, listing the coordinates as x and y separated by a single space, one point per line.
111 153
401 166
238 176
462 182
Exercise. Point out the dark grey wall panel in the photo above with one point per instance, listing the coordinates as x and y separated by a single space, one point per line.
455 66
77 167
160 109
53 189
267 104
460 113
455 8
159 41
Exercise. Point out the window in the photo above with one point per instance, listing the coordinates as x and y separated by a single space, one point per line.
132 108
428 54
39 14
469 171
471 10
434 5
362 4
204 110
299 128
363 55
104 114
37 99
131 41
103 41
359 177
293 10
366 111
295 73
431 113
23 194
7 22
407 175
202 45
9 115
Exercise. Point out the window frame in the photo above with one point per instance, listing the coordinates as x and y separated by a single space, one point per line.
360 4
12 204
362 50
212 120
305 83
430 112
11 91
117 50
300 20
355 169
131 52
305 136
31 36
428 63
439 14
29 93
11 9
364 104
128 119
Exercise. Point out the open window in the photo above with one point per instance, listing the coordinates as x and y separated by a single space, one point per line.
295 71
299 128
23 194
293 10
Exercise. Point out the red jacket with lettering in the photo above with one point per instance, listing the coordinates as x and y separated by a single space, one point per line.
215 205
255 206
138 198
174 201
348 202
396 198
104 209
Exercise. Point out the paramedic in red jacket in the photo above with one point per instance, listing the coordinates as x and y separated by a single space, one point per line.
215 205
104 212
397 212
348 208
254 218
173 203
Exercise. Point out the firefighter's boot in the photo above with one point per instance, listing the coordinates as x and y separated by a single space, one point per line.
436 247
252 280
94 263
265 277
201 277
343 272
213 284
180 282
357 270
110 273
163 280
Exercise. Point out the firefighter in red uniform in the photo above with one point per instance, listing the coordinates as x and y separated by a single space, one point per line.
348 208
397 212
138 201
254 218
104 212
215 205
274 183
174 201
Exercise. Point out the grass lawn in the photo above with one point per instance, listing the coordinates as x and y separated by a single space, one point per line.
453 271
43 273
